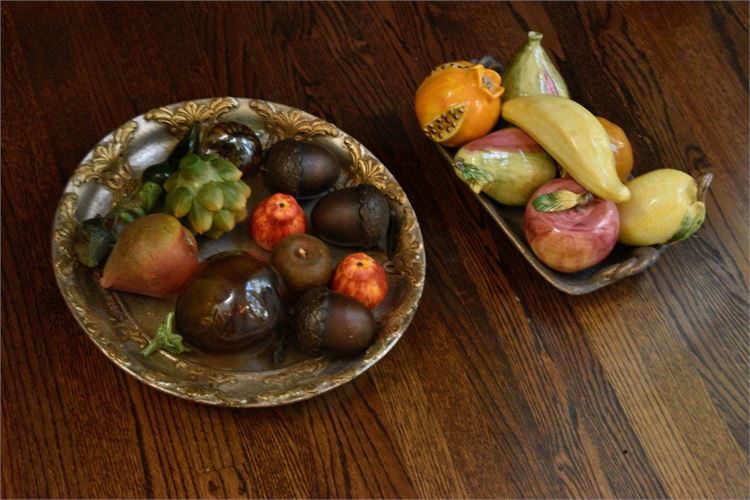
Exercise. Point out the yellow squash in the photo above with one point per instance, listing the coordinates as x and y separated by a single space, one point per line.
573 137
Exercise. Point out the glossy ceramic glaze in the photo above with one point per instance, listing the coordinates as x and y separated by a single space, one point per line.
574 239
531 72
573 137
507 165
660 199
455 105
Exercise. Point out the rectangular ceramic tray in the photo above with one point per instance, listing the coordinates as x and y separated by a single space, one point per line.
624 261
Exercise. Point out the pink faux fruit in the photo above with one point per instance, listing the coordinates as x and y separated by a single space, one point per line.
568 228
155 255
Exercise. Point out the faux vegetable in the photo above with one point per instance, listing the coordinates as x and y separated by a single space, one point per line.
573 137
458 103
507 165
207 192
531 72
663 207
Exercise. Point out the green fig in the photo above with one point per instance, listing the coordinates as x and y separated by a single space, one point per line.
155 255
531 72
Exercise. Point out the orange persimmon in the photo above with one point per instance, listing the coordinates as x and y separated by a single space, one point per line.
620 146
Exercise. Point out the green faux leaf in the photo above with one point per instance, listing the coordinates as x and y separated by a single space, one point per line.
692 221
166 338
558 201
474 176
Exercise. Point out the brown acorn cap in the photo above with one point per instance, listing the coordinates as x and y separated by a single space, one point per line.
310 319
282 170
374 214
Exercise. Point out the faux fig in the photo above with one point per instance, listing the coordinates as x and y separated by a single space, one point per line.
355 216
237 143
155 255
304 261
531 72
276 217
302 169
234 302
332 322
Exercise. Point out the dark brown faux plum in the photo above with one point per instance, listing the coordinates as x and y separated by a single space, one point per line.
235 301
304 261
237 143
355 216
332 322
302 169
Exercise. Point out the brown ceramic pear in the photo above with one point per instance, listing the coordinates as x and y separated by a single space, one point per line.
304 261
155 255
355 216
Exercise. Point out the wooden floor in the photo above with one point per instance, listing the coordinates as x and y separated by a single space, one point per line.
502 386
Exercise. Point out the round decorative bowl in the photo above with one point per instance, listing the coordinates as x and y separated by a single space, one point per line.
122 324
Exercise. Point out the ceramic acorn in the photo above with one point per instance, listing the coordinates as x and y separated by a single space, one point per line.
458 102
531 72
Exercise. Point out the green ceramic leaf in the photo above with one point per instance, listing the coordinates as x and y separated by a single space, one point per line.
692 221
558 201
473 174
166 338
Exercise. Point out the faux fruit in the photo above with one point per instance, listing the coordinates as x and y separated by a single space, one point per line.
208 192
276 217
302 169
362 278
507 165
304 261
234 302
569 229
236 143
355 216
332 322
531 72
621 148
155 255
458 103
573 137
664 207
96 236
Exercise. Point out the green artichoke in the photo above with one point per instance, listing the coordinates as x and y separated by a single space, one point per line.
207 193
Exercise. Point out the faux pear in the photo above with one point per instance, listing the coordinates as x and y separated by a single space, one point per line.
155 256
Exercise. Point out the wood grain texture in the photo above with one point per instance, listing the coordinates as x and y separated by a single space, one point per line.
502 386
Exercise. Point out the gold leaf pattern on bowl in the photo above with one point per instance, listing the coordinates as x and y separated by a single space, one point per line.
289 123
108 165
180 119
